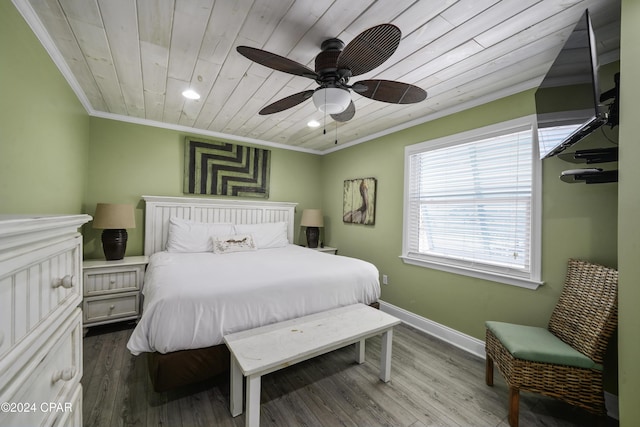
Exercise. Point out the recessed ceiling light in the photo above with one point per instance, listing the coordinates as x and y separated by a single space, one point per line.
313 124
191 94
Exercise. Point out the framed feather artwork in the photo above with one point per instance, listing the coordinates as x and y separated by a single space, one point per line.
359 201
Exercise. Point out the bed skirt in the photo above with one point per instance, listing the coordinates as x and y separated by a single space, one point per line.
182 368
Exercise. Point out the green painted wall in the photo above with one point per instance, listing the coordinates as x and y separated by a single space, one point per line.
44 130
130 160
629 209
578 221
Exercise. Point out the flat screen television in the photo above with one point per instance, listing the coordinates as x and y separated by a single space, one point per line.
569 104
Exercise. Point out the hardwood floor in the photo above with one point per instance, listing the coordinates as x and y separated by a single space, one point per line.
432 384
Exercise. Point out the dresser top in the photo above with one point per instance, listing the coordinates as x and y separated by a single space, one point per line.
17 230
18 223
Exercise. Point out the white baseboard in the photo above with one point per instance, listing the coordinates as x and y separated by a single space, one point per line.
458 339
465 342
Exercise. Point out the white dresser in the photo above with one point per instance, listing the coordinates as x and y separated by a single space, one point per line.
40 322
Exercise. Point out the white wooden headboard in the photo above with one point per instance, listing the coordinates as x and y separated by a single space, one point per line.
158 210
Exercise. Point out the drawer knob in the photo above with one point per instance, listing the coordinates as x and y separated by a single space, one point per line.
68 281
111 307
63 375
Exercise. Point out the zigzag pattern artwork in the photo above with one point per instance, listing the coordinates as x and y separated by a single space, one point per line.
224 169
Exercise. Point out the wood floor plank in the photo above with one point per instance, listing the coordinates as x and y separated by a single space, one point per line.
134 412
445 373
313 392
432 384
218 395
100 387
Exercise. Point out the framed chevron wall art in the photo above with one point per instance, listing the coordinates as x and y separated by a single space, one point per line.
225 169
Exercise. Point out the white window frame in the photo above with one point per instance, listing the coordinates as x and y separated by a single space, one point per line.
533 281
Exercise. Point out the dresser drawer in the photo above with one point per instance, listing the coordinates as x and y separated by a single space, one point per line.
100 281
41 391
39 287
105 308
72 417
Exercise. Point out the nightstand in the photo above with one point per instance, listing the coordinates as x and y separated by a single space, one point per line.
112 289
327 249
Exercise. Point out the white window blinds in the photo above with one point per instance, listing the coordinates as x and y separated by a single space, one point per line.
469 203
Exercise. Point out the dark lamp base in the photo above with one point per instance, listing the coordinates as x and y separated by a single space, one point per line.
313 233
114 244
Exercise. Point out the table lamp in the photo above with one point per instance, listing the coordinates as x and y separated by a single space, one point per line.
114 219
312 219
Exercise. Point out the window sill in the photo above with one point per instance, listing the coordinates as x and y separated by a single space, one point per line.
486 275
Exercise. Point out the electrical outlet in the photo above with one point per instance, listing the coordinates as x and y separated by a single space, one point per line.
385 279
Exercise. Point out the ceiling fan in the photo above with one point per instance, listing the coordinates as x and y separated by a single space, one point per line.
334 66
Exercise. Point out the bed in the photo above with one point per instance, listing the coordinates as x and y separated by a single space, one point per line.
219 266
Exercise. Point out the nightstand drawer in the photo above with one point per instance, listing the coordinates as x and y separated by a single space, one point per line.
112 289
100 281
106 308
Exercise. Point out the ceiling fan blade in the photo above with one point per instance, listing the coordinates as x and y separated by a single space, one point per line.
285 103
370 49
390 91
346 115
276 62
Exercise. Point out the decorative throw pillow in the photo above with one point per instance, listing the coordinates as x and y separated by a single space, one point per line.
266 235
190 236
234 243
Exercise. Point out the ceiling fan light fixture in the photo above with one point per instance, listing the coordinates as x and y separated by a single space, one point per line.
331 100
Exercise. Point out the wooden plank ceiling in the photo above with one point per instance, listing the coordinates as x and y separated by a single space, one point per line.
131 60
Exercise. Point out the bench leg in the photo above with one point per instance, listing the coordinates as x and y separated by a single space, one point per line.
253 401
385 356
235 394
360 352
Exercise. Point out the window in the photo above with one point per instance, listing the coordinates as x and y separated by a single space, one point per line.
472 204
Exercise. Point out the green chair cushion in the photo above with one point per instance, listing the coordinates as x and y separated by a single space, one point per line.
538 345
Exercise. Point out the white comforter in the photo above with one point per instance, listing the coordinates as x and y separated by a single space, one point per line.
192 300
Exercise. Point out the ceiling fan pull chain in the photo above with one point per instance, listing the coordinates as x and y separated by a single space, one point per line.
324 130
336 141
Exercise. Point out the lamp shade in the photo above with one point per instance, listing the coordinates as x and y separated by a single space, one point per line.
111 216
331 100
312 218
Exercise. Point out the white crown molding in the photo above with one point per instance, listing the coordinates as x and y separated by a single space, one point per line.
195 131
42 34
38 28
494 96
30 16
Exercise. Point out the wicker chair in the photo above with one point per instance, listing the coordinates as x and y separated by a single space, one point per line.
564 360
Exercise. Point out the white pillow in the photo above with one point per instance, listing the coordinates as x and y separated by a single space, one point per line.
266 235
189 236
234 243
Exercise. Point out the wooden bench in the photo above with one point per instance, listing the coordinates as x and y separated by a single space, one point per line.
259 351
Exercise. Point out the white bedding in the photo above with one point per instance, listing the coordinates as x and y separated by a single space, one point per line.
191 300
